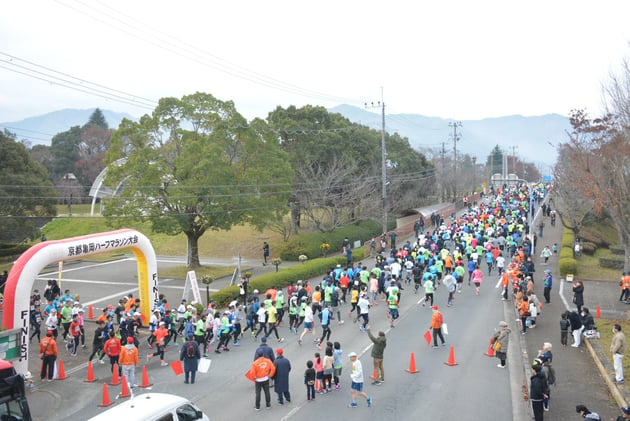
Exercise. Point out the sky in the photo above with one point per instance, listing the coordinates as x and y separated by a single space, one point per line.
452 59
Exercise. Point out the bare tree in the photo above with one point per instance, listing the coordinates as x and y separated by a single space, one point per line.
336 194
571 205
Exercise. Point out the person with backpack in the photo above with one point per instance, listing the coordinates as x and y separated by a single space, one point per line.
190 355
538 390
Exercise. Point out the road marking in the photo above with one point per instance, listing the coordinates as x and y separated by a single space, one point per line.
564 300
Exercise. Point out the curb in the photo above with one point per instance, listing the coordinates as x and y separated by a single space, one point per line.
606 371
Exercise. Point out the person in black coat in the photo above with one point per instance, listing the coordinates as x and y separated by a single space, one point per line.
266 350
538 390
576 327
281 378
191 362
578 295
587 319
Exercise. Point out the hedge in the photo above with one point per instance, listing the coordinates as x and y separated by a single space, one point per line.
311 269
589 248
13 249
308 244
567 238
617 250
567 265
611 262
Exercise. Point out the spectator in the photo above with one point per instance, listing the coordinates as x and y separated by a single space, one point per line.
578 295
380 342
618 348
586 414
281 378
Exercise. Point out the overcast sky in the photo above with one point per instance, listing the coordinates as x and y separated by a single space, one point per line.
451 59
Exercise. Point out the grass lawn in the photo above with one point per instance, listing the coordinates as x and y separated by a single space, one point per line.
589 268
604 326
179 272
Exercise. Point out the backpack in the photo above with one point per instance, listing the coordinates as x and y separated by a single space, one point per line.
334 297
190 350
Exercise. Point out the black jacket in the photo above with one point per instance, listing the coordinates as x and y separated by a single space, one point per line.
578 292
538 386
575 320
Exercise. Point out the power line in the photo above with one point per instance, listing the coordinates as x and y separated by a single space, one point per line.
189 52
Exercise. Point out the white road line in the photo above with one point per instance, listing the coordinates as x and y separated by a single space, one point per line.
564 300
87 267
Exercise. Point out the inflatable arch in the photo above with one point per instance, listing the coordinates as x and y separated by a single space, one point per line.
26 268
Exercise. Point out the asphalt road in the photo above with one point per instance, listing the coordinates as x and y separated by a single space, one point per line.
473 388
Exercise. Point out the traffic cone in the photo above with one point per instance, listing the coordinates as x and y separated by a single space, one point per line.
115 378
490 352
412 365
106 401
451 357
598 313
125 388
145 378
373 376
90 376
61 373
90 313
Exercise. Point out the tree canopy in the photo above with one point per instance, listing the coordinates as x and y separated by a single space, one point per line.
26 195
196 165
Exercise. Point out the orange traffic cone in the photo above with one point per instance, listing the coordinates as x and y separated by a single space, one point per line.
373 376
451 357
61 373
598 313
412 365
90 376
125 388
490 352
145 378
115 378
90 313
106 401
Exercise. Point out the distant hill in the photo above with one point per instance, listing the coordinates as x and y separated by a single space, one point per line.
530 135
41 129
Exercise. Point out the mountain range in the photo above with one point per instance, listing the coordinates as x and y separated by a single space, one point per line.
530 138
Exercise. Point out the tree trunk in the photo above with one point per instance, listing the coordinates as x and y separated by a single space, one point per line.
193 250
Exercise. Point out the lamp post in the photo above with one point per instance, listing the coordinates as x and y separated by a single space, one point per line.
207 280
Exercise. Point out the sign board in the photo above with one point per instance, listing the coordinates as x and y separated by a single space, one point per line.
192 286
10 344
546 179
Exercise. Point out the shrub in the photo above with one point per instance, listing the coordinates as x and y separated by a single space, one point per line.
225 295
566 253
589 248
617 250
567 265
567 239
308 244
13 249
611 262
591 236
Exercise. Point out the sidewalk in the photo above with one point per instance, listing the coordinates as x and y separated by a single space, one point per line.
578 379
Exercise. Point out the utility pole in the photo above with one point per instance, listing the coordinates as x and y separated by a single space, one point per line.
381 104
474 171
443 177
514 147
455 125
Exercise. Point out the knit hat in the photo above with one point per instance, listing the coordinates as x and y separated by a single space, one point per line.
279 351
129 340
503 324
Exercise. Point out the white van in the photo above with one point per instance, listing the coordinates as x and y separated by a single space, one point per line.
153 407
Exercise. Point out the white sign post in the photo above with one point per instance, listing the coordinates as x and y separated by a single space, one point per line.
192 285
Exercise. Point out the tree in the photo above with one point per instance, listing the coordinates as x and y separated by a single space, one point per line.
95 141
26 196
494 164
343 160
196 165
600 148
97 119
65 151
570 203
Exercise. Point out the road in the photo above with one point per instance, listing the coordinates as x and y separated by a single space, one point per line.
466 391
